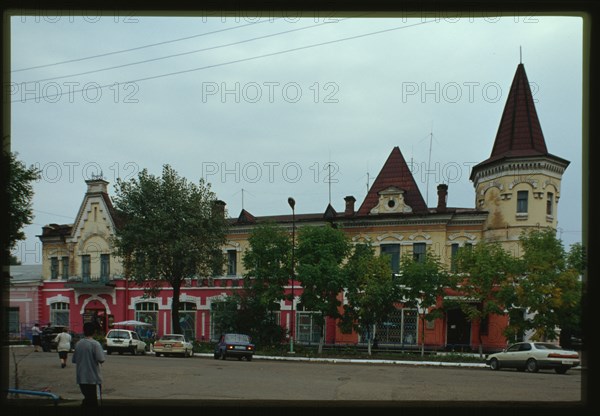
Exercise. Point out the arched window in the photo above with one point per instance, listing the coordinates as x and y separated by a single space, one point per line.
147 312
59 313
187 319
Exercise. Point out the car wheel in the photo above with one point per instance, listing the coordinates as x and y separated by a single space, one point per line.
217 356
157 354
108 351
494 364
249 358
223 355
561 370
532 366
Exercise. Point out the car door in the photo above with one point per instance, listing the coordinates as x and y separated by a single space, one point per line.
512 356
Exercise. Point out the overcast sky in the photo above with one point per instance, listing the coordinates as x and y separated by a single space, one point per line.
264 108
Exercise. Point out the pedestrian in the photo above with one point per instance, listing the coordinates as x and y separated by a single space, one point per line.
63 346
36 338
88 356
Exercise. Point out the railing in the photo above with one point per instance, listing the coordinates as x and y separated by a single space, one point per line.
53 396
94 279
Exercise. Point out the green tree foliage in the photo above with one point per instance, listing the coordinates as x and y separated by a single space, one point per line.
420 284
370 291
483 270
548 286
19 190
268 269
320 254
168 230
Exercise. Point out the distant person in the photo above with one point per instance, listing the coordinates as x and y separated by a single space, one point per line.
88 356
63 346
36 337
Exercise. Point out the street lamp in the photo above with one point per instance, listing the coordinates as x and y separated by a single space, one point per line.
292 204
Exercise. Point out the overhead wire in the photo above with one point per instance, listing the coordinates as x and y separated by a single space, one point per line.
252 58
180 54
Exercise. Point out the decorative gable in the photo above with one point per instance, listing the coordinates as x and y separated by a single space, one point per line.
391 200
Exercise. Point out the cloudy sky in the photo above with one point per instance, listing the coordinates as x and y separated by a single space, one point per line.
269 107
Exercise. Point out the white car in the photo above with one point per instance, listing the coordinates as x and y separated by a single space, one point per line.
173 344
124 340
534 356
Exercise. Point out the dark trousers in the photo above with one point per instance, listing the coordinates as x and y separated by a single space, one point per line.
90 397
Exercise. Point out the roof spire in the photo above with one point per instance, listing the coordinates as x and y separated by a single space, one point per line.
520 55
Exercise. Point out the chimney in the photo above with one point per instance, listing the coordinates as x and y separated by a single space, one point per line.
349 212
442 197
219 207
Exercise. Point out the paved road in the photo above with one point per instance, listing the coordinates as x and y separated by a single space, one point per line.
201 378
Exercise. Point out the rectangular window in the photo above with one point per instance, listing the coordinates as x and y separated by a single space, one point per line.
231 262
393 252
65 268
419 251
484 326
54 268
550 204
522 197
14 326
85 266
453 254
104 266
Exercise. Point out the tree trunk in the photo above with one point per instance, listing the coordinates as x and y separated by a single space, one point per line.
175 309
422 335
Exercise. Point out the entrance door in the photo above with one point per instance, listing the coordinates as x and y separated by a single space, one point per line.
458 330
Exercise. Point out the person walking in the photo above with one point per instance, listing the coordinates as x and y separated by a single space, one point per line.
88 356
63 346
36 337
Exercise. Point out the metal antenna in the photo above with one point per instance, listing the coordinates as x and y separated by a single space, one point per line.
429 165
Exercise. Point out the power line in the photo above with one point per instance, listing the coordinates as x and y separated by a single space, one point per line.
179 54
136 48
235 61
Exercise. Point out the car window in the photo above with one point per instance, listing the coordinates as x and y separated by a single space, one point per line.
546 346
237 338
514 348
134 335
118 335
525 347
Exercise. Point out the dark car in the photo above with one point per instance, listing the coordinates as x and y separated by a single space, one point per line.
50 332
234 345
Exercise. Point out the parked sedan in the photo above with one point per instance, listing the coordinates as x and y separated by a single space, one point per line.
173 344
234 345
534 356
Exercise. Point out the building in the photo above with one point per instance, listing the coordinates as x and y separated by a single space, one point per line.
516 188
24 302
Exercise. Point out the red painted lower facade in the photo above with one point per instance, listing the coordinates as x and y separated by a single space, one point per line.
73 303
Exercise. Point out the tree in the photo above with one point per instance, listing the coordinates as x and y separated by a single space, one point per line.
370 291
20 195
320 253
170 230
548 286
483 271
420 284
268 269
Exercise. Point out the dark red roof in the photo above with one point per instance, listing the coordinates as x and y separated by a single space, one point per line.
520 132
395 172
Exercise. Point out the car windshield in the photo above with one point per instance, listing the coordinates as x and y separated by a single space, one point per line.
546 346
172 338
237 338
